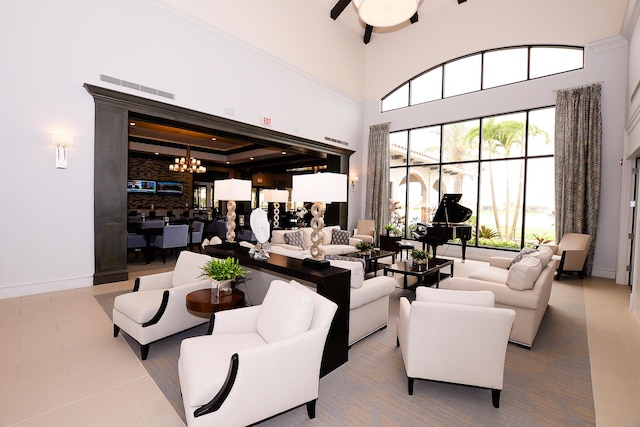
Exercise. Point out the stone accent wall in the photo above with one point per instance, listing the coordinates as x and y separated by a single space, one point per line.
158 170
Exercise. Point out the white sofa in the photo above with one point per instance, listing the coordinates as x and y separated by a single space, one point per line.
525 287
278 238
368 298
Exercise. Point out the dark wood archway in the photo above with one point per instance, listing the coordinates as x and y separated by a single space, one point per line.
112 110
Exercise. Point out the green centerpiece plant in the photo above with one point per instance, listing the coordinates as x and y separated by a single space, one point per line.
364 248
222 272
420 259
419 256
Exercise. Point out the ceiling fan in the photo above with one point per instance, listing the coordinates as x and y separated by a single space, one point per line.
381 13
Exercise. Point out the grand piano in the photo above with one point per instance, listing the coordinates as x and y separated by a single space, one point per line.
447 224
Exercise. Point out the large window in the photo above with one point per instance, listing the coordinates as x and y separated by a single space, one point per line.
484 70
502 165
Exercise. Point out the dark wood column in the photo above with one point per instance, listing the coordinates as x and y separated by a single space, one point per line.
110 199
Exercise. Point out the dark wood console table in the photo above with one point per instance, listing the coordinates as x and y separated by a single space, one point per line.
332 282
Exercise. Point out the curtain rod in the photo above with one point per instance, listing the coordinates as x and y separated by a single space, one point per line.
579 87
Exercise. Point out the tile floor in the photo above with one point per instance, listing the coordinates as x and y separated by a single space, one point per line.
60 365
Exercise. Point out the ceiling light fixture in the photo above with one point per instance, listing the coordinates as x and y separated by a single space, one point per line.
385 13
188 163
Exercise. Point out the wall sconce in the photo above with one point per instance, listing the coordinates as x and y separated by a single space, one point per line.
353 179
62 142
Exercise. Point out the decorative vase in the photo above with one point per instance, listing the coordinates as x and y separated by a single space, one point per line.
220 288
419 264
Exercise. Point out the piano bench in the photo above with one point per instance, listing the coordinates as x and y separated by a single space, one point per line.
404 246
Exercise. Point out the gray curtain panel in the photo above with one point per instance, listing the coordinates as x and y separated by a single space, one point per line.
578 152
378 178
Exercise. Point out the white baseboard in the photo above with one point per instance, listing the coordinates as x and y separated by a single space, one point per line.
12 291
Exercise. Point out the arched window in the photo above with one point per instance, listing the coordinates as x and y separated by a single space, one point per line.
484 70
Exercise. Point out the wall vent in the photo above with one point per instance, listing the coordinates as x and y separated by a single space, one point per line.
136 86
328 138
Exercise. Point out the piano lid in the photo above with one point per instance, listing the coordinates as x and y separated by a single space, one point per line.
449 211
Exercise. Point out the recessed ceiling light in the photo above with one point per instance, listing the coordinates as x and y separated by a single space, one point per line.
213 138
252 158
284 152
157 154
132 124
227 162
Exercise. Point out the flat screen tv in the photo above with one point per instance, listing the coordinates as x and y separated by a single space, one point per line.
169 187
141 186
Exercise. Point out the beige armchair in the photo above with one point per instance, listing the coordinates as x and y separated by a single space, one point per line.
456 337
365 230
571 253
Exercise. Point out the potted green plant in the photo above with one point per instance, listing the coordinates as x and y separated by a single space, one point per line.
222 272
391 229
364 247
420 258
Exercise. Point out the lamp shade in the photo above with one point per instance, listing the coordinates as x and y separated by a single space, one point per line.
385 13
271 196
232 189
320 187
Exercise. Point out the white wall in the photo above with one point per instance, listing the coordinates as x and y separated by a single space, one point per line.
605 62
47 216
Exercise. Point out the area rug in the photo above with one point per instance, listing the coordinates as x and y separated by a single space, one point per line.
549 385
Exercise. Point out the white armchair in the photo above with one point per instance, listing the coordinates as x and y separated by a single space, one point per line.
258 361
441 324
571 253
157 306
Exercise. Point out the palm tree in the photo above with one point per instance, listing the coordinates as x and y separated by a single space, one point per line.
503 137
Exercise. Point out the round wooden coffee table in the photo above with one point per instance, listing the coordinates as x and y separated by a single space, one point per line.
203 302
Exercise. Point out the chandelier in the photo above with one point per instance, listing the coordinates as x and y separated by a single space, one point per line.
385 13
187 164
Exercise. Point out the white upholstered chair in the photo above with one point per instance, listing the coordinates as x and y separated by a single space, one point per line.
259 361
441 324
365 230
571 253
157 306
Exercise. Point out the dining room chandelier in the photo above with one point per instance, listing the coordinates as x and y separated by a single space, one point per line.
385 13
187 164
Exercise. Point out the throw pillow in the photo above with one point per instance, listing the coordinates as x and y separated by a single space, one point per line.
339 237
285 312
294 239
523 275
544 254
518 258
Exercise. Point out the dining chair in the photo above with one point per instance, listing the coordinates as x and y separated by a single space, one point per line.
172 237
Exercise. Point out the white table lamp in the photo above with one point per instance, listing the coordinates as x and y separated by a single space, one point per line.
275 197
232 190
320 188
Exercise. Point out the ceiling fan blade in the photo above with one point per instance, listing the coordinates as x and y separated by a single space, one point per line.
414 18
338 8
367 34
